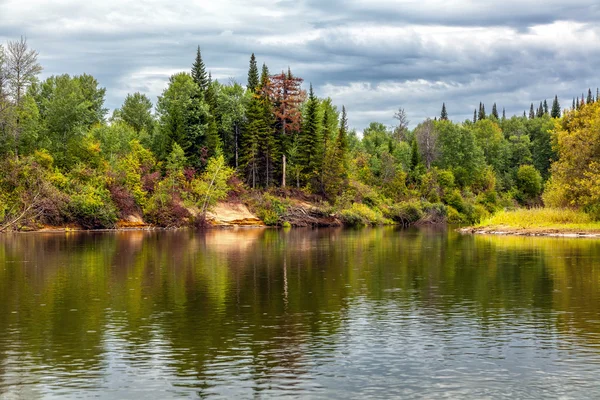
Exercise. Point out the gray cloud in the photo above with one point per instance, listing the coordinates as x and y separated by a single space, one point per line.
373 56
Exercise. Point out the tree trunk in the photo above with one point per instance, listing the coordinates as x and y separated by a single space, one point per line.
237 133
283 177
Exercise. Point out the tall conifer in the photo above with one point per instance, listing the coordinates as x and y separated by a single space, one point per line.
555 113
444 114
252 75
199 72
531 112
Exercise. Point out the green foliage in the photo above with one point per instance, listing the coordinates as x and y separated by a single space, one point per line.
529 182
361 215
211 187
136 112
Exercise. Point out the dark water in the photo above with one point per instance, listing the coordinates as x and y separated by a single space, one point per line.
373 313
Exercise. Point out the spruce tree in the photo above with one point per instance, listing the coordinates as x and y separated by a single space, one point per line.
573 106
495 111
415 158
590 98
264 76
503 114
444 114
309 139
335 168
540 111
474 116
252 75
531 112
199 72
555 113
597 94
210 94
481 112
545 107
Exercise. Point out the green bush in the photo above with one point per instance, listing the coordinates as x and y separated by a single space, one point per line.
529 182
362 215
454 199
453 216
406 213
93 208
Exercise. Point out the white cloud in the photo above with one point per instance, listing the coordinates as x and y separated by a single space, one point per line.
373 56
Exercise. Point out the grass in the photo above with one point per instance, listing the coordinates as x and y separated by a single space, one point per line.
541 219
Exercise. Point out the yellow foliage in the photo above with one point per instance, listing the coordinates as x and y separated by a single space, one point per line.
576 175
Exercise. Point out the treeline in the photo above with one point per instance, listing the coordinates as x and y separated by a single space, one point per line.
64 160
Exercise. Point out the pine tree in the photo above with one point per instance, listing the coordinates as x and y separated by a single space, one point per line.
415 158
495 111
252 75
481 112
199 72
545 107
309 139
555 113
444 114
590 98
210 94
335 168
531 112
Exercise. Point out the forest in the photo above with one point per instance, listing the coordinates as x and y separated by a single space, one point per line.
64 161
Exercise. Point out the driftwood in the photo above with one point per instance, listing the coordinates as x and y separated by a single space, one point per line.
31 211
299 216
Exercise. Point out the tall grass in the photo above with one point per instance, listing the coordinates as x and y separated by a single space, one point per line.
542 218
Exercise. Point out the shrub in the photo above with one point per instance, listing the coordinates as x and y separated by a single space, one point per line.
453 216
454 199
529 182
361 215
93 208
406 213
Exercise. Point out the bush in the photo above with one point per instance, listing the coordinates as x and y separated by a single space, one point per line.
529 182
406 213
454 199
362 215
453 216
93 208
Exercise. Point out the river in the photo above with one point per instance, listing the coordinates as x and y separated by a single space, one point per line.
328 313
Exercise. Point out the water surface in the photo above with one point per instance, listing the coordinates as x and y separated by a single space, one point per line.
371 313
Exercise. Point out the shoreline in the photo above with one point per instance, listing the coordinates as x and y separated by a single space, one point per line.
530 232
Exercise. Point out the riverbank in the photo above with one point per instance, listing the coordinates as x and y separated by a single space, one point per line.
552 222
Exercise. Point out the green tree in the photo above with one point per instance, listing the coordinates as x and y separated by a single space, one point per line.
309 140
137 112
531 112
253 81
184 118
481 114
199 72
555 113
529 182
68 107
495 111
444 114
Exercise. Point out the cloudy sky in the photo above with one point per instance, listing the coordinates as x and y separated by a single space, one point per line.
373 56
